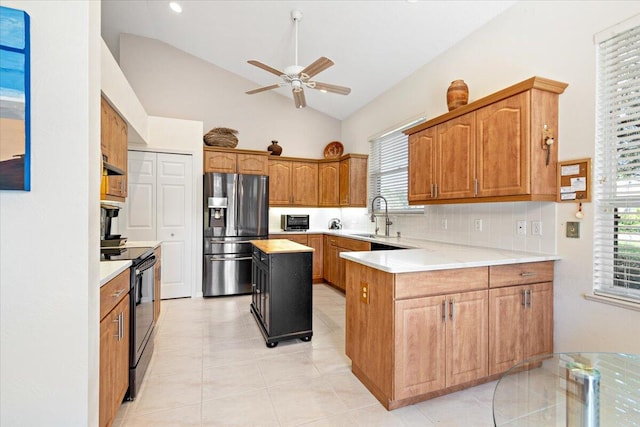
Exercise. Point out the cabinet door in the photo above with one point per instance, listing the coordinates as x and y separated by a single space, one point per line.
316 242
329 183
253 164
503 145
467 337
353 182
539 320
422 165
420 337
114 361
118 155
456 158
330 261
222 162
279 182
506 328
304 183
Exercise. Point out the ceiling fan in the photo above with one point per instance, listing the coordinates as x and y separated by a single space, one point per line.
298 77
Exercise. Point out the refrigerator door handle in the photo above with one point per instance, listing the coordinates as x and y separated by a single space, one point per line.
219 258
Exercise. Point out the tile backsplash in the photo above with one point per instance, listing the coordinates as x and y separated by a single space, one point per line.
492 225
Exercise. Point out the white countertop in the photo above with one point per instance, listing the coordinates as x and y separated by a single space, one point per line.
110 269
441 256
425 255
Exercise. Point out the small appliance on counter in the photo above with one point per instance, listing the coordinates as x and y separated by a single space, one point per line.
335 224
108 240
294 222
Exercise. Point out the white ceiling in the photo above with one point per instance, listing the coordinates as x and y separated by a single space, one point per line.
374 44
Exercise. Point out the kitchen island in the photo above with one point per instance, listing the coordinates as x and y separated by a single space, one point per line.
281 300
425 322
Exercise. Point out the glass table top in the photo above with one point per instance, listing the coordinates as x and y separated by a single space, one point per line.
570 389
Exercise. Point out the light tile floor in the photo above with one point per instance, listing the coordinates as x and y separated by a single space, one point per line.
211 367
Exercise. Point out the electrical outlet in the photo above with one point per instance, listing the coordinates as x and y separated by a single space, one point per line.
477 224
521 228
443 223
536 228
364 292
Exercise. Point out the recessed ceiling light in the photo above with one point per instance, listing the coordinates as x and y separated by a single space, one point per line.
175 6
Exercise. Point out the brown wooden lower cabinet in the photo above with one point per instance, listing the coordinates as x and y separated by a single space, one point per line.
114 346
334 272
415 336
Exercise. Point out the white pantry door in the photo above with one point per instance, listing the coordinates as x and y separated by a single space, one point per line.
174 223
159 208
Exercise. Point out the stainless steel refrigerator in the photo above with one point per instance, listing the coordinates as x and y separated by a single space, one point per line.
236 210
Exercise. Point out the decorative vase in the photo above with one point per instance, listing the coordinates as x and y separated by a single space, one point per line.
457 94
275 149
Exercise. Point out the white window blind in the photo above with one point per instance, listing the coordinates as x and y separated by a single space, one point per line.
388 170
617 167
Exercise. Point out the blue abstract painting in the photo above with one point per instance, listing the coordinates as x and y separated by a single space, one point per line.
15 158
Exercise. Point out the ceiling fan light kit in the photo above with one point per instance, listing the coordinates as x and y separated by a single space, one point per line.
297 76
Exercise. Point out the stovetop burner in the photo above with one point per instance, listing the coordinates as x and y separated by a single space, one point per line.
123 254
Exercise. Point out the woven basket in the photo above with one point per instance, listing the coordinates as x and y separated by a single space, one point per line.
221 137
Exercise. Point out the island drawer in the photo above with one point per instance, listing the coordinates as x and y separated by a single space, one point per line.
113 291
520 274
440 282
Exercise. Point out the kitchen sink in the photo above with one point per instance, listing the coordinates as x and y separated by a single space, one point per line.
368 235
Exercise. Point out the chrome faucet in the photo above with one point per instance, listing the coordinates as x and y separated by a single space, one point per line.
387 221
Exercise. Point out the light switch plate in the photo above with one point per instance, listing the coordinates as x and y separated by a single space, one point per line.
573 229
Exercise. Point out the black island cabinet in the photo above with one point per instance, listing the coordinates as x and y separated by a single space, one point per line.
281 300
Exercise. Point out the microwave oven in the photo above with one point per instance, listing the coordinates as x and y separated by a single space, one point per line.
294 222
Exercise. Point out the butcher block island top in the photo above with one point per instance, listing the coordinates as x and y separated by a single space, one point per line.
280 246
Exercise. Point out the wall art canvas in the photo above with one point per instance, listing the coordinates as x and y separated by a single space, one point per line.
15 158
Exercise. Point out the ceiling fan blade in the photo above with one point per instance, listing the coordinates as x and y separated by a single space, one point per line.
298 98
266 67
316 67
262 89
341 90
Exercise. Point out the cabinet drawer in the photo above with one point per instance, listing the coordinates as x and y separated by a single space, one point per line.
353 244
440 282
520 274
112 292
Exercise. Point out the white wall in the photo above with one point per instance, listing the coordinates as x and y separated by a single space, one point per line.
172 83
548 39
49 256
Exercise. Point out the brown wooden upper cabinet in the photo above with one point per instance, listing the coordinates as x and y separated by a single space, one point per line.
490 150
227 160
329 184
293 182
353 180
114 144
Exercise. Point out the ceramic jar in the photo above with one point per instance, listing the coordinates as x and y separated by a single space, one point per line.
457 94
274 148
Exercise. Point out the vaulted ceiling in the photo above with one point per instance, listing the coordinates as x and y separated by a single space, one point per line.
374 44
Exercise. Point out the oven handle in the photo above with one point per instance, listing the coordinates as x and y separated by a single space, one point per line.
146 265
217 258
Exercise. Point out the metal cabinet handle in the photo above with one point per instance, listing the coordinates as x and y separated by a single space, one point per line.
530 303
117 293
436 188
452 312
528 274
475 187
524 298
444 310
432 196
